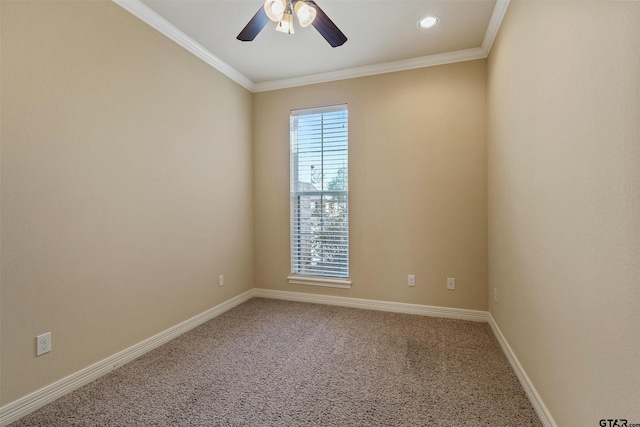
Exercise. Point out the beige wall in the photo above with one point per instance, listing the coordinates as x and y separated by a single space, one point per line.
564 204
126 187
417 182
129 182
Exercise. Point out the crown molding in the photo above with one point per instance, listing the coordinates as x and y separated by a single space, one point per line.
494 24
151 18
369 70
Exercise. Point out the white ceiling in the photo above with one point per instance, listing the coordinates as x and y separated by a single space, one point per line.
382 36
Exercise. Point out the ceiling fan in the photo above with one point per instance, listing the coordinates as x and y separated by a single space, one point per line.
281 11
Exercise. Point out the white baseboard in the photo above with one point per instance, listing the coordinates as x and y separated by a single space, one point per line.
25 405
527 385
426 310
396 307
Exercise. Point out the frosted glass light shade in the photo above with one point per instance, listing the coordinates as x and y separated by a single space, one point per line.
306 14
275 9
286 24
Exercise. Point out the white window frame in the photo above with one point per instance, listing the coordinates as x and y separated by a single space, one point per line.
294 277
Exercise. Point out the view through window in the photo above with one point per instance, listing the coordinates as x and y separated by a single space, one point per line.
319 192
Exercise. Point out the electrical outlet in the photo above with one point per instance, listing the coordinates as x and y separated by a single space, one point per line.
43 344
451 283
495 295
221 280
411 281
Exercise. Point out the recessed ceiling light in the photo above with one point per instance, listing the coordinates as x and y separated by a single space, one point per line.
428 22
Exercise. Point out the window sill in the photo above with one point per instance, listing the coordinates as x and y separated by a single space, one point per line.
320 281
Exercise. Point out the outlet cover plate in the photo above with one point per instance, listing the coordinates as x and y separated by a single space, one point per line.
43 344
451 283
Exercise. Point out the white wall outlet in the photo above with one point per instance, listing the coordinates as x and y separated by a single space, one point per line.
451 283
495 295
43 344
411 280
221 280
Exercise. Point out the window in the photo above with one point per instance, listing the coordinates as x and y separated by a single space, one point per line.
320 197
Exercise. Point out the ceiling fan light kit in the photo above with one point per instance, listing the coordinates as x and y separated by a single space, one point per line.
305 13
286 24
275 9
281 12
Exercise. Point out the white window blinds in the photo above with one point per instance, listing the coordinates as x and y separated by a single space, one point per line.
319 192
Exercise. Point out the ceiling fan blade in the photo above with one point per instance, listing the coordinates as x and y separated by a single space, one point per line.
326 27
257 23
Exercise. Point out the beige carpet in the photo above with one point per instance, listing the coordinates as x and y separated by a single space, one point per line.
278 363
